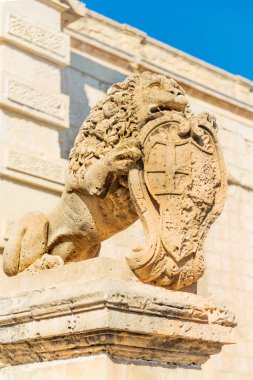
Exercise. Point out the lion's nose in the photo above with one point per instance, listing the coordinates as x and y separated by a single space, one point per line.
176 92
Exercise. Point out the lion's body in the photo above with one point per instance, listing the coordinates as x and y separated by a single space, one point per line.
86 223
96 203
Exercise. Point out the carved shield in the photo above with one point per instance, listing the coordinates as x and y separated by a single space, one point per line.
178 192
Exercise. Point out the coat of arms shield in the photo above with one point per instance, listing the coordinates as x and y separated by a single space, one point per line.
178 191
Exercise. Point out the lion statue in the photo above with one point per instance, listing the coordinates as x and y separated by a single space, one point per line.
96 203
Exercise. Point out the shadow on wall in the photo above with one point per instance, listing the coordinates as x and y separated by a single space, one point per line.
85 82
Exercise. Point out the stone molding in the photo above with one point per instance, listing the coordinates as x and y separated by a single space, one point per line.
59 5
51 170
137 52
36 38
29 180
99 306
25 98
101 367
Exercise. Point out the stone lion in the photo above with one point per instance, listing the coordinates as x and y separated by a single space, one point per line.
96 203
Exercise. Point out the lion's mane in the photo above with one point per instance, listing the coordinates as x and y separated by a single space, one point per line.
114 118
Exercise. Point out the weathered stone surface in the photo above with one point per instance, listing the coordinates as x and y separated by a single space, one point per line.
99 306
178 195
101 367
177 180
134 47
228 249
29 35
22 161
37 103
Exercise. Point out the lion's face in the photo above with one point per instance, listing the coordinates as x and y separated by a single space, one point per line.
159 93
126 108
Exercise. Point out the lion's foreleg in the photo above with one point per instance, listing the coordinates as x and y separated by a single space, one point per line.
97 178
72 231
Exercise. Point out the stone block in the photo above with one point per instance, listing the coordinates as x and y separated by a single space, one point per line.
99 306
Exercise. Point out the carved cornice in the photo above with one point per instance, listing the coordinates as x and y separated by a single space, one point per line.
134 51
31 180
76 7
59 5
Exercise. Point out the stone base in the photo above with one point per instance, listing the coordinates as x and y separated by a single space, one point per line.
98 306
100 367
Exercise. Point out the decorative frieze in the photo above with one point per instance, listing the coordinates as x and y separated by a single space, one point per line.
30 97
37 103
53 170
37 38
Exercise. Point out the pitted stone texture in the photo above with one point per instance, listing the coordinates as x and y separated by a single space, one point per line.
36 38
97 203
228 275
41 104
98 306
143 52
178 194
140 153
101 367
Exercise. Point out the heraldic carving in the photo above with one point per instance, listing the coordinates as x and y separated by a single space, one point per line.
178 191
140 153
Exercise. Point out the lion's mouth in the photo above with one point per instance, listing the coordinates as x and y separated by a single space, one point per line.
170 107
159 109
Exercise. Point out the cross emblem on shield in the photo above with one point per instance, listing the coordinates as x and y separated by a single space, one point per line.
176 196
167 168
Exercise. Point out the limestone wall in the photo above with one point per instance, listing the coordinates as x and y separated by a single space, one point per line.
33 108
55 63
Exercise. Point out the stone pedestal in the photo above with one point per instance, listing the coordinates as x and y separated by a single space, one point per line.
99 313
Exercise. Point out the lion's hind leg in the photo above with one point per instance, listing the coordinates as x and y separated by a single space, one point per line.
27 243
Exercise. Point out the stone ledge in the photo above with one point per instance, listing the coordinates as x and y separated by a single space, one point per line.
98 306
135 51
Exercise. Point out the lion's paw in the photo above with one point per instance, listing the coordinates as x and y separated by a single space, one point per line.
45 262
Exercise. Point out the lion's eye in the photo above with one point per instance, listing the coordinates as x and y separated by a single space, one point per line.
155 85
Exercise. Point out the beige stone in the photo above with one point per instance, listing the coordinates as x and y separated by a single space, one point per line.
104 52
33 227
100 367
33 108
178 195
144 120
98 306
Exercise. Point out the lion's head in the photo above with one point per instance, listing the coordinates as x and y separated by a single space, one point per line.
126 108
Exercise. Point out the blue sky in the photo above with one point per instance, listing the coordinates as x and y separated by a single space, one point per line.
218 32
